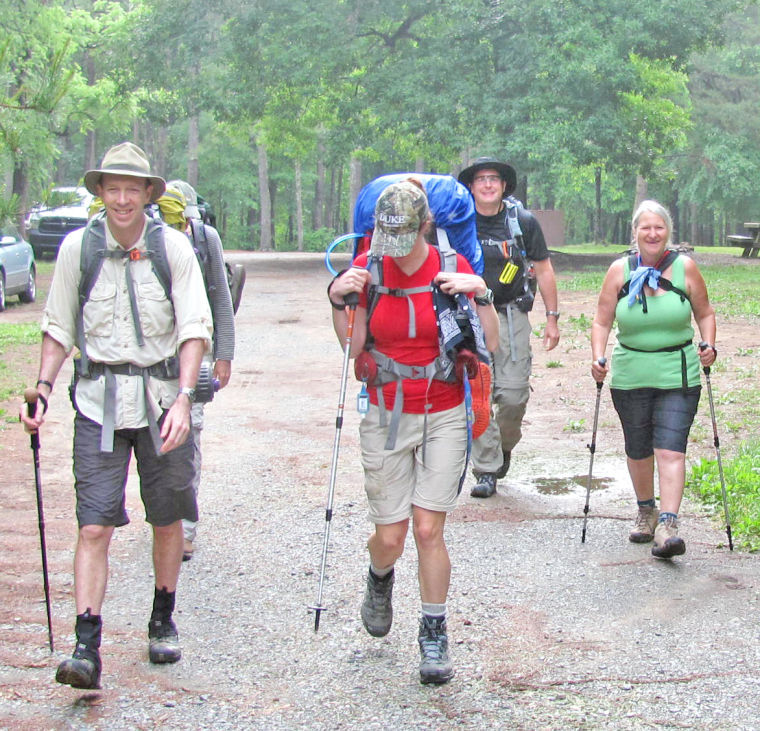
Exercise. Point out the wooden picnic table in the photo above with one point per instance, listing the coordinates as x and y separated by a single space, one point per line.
751 243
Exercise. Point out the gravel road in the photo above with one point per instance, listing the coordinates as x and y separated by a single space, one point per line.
546 632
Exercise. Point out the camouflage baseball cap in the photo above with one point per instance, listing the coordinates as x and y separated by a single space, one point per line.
400 211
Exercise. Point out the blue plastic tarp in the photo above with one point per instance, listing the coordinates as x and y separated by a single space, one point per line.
450 203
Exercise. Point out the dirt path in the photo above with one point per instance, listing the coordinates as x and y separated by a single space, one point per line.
547 632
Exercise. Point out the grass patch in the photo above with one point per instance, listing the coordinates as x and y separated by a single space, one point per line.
16 356
742 476
733 289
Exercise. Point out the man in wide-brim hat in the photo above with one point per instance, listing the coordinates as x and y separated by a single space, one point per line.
141 345
513 243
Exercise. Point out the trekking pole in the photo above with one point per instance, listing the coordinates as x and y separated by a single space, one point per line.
592 449
30 396
716 441
351 300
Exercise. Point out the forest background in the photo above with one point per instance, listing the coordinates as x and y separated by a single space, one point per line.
278 111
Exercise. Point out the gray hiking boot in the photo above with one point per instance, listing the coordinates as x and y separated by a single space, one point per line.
507 459
643 529
163 641
377 609
435 666
485 486
667 543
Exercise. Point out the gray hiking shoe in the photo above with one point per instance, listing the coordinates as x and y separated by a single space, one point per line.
667 543
643 529
377 609
507 459
485 486
163 640
435 666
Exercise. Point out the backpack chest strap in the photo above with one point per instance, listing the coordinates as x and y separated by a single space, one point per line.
396 292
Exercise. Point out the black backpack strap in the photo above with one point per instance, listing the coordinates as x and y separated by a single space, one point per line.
666 261
200 246
156 250
90 262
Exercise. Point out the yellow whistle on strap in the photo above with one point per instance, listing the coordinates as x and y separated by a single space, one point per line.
508 273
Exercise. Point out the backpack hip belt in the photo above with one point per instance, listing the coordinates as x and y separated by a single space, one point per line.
389 371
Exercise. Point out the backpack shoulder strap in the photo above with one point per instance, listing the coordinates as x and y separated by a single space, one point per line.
447 252
91 256
666 261
375 269
512 220
156 246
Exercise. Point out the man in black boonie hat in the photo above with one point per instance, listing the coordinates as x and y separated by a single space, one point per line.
513 248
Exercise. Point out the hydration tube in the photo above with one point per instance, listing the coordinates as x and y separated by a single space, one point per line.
332 246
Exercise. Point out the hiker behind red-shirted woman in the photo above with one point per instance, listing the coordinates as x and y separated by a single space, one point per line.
417 474
140 349
655 367
512 243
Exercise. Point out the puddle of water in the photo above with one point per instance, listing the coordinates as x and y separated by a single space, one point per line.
565 485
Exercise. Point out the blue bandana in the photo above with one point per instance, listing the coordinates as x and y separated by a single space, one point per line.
641 276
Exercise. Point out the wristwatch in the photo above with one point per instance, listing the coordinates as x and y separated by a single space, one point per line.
484 300
189 392
552 312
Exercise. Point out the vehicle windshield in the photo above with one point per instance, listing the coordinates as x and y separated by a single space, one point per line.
67 197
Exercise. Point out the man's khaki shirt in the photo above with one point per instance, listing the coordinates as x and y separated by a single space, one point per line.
109 328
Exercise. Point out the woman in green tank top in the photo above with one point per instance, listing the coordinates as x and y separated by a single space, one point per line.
655 367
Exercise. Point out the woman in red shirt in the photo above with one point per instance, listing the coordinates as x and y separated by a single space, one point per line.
418 475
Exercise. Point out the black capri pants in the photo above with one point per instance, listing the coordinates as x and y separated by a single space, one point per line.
654 418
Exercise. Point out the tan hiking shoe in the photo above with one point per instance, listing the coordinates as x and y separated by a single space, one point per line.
666 540
643 529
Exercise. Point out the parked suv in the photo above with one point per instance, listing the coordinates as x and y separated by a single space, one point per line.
48 223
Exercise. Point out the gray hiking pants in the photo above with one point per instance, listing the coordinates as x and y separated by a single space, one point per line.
511 365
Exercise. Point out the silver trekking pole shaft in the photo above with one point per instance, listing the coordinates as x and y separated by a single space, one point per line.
592 449
716 441
351 300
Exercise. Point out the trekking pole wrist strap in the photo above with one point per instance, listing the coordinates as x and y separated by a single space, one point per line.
339 307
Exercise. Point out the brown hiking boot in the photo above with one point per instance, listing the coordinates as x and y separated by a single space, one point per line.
643 529
666 540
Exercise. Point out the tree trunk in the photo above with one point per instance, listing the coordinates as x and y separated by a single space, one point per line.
299 205
419 165
597 217
675 214
330 201
319 190
20 188
265 204
158 161
193 139
335 222
91 140
693 215
641 191
354 184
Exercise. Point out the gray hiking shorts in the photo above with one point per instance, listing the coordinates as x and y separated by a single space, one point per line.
100 478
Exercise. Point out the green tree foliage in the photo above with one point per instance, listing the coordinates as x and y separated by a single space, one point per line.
581 95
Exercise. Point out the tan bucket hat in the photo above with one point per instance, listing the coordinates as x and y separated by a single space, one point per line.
125 159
